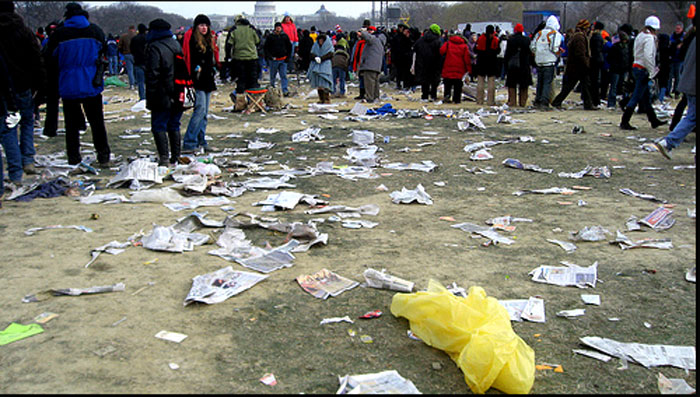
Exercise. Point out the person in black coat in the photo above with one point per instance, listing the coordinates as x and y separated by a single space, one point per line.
518 61
665 56
305 44
618 59
596 62
428 63
138 51
401 56
161 97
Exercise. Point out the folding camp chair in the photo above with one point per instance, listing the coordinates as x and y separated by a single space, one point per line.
255 99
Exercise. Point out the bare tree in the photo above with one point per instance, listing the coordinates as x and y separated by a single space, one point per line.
422 13
40 13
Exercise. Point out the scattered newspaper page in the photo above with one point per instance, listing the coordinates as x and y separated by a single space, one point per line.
531 309
569 275
220 285
140 169
387 382
325 283
382 280
646 355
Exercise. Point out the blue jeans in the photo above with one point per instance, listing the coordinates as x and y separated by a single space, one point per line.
687 124
25 104
675 75
13 156
641 88
290 58
140 80
281 68
197 127
612 94
543 91
339 74
129 61
113 65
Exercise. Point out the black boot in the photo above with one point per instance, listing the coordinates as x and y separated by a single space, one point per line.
161 141
626 117
362 94
651 116
175 139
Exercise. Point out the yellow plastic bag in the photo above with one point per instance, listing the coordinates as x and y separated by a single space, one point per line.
475 331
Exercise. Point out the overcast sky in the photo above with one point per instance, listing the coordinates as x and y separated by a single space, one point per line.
190 9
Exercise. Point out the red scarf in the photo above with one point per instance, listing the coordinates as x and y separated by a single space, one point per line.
358 54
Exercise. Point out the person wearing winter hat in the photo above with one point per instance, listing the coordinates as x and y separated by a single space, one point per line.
546 45
435 29
161 97
577 67
517 60
78 47
200 54
371 61
427 66
644 68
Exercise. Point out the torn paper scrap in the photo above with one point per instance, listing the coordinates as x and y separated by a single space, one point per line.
643 196
171 336
570 275
645 355
567 246
277 258
673 385
406 196
220 285
387 382
325 283
592 354
424 166
690 275
590 233
515 163
332 320
591 299
531 309
32 231
480 155
92 290
571 313
112 248
382 280
625 242
139 169
551 190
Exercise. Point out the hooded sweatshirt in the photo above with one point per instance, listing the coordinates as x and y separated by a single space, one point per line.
546 43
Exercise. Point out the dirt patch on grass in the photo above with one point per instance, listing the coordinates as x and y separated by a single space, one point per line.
274 327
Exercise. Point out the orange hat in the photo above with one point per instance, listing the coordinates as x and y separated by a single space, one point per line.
604 34
691 11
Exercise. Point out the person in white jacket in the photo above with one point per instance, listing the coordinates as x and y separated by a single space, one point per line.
546 45
643 69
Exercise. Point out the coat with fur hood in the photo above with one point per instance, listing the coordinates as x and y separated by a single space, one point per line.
22 53
457 59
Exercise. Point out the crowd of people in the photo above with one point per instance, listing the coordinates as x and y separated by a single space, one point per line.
68 59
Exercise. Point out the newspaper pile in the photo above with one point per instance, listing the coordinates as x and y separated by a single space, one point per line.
220 285
387 382
325 283
515 163
286 200
645 355
140 169
596 172
569 275
382 280
531 309
168 239
269 261
625 242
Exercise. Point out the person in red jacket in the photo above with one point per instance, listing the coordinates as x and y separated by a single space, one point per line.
290 29
457 63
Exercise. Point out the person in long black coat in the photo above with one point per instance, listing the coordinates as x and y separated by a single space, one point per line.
428 66
305 44
519 76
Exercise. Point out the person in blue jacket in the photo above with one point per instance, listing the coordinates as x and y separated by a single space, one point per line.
78 48
112 55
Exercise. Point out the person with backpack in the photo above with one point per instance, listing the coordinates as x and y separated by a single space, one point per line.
486 66
517 60
546 45
162 96
78 47
112 55
457 63
339 62
200 53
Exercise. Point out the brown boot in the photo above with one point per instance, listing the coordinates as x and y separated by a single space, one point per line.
327 96
523 97
511 97
320 95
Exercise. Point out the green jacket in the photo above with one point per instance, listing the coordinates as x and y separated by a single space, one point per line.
243 43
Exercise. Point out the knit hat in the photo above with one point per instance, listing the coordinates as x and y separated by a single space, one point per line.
278 24
583 24
73 9
7 6
435 29
142 28
519 28
366 23
598 25
691 11
372 28
202 19
159 24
